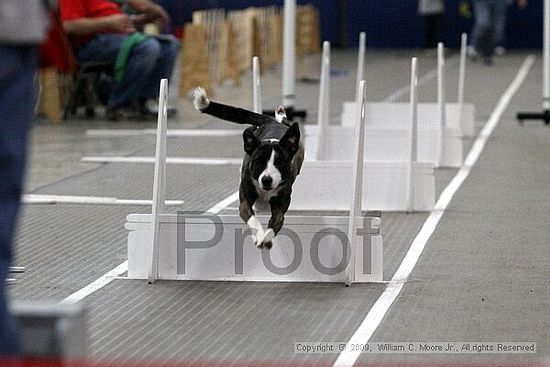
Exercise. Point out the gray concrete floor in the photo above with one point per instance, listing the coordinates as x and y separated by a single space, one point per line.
484 275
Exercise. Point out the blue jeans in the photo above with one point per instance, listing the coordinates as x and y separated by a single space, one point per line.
490 15
149 61
17 100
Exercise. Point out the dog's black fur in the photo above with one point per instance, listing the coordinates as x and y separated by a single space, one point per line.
274 156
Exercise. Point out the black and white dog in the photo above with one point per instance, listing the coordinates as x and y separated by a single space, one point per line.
274 156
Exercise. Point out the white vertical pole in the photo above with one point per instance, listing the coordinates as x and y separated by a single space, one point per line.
413 137
256 86
323 116
441 83
361 60
462 68
289 54
546 58
441 97
357 194
461 78
159 181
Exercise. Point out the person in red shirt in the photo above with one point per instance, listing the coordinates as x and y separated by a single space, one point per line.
100 31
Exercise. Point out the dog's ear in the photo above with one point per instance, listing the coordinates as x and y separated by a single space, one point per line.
291 140
251 142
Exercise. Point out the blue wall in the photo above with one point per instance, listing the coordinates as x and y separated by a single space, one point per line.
388 23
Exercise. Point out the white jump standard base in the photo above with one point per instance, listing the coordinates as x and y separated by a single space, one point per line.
324 185
461 120
389 122
220 248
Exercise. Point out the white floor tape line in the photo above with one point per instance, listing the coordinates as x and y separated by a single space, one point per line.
92 200
97 284
169 160
375 315
123 268
169 133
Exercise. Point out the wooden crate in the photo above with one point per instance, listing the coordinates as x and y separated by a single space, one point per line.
195 70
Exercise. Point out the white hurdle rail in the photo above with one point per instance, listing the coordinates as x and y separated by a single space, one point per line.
388 175
439 142
459 115
309 248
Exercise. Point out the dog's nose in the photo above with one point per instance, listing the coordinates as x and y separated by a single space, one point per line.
267 181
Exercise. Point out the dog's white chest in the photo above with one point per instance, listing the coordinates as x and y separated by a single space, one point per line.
262 203
262 206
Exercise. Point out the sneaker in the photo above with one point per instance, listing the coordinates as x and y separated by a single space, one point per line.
471 52
150 107
123 113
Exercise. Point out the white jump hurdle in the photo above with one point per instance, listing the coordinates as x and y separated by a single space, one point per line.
388 177
388 129
439 142
458 115
206 247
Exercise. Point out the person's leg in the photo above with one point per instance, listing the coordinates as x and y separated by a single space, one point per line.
481 21
163 67
484 13
135 81
9 335
500 17
17 100
141 61
104 47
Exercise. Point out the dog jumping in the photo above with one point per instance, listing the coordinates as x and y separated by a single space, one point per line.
273 159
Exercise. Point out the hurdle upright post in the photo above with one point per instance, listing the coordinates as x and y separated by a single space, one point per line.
159 181
461 79
441 83
357 176
361 60
414 134
289 53
441 96
289 62
256 86
323 115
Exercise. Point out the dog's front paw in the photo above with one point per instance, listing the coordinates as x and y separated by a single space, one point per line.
266 240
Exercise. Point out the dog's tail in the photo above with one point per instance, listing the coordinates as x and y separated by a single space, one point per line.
225 112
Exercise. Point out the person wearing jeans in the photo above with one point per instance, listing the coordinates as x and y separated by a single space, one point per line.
23 25
100 31
489 28
150 60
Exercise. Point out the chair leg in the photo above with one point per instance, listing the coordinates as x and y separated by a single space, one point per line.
72 103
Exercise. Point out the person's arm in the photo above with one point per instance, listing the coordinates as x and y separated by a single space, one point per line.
153 12
119 23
